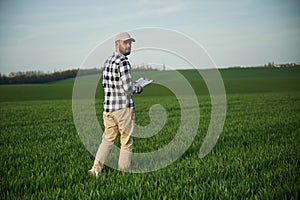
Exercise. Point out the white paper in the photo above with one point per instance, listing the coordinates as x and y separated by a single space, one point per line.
143 81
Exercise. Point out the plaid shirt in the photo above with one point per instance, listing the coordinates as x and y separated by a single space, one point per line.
117 83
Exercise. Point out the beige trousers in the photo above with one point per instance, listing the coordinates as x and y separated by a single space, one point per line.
120 121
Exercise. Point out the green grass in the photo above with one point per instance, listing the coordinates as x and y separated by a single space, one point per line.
236 81
256 157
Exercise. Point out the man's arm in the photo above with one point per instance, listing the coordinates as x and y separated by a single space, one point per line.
127 83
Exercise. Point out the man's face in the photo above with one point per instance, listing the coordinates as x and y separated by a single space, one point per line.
124 47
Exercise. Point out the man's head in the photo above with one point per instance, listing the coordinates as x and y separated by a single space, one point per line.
123 43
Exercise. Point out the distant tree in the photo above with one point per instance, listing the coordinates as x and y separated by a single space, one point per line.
41 77
270 64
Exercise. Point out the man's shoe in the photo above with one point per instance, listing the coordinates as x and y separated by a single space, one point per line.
93 172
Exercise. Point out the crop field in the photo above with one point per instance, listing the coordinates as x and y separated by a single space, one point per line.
256 157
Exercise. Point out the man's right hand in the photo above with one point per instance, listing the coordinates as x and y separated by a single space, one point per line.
141 89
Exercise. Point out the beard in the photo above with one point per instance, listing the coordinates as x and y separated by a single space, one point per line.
127 53
124 51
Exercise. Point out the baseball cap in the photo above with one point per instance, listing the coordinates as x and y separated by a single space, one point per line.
124 36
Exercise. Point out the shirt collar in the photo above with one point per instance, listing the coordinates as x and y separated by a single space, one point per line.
115 54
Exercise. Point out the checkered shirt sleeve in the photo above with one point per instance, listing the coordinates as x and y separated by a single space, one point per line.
117 83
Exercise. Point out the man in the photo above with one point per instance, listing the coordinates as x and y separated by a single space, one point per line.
118 115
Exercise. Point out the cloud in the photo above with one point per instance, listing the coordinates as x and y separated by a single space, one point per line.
156 9
170 9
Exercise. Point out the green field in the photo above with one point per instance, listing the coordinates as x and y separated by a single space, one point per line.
256 157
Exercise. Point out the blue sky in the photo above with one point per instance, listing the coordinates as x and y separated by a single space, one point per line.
57 35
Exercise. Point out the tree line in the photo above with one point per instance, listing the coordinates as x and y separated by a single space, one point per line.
41 77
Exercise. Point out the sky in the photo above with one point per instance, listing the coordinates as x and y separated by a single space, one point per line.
57 35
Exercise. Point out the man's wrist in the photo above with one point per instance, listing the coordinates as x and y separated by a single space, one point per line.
139 89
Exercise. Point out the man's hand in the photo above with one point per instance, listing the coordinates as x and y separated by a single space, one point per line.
141 89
